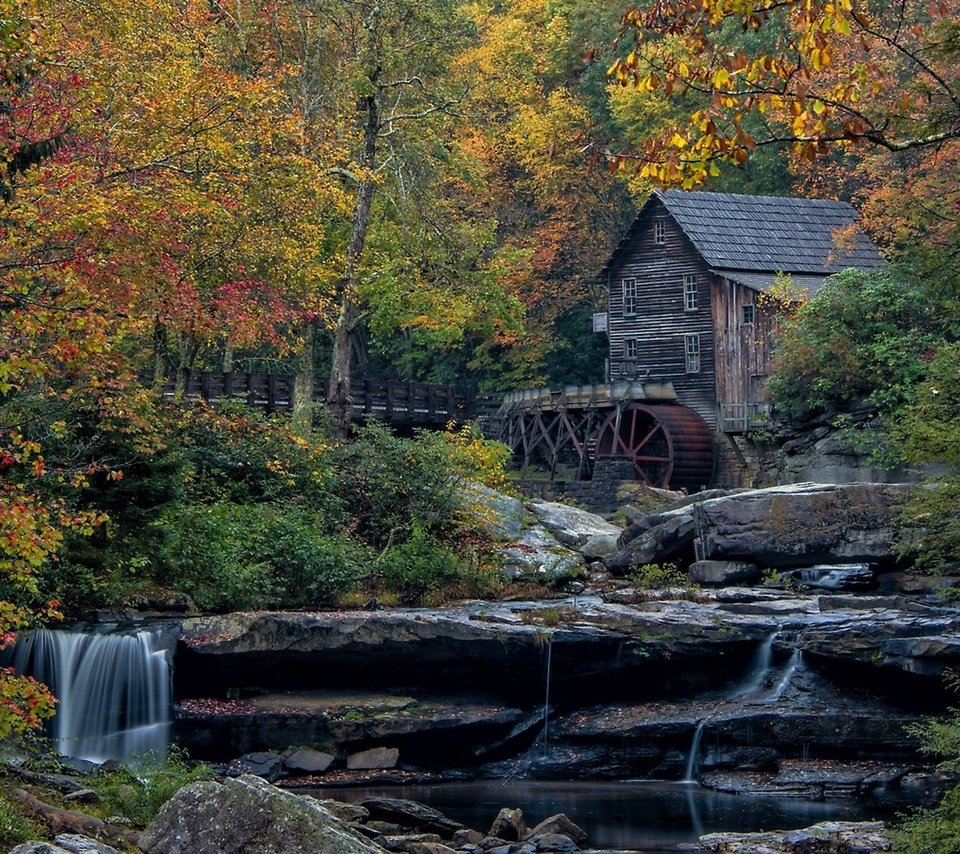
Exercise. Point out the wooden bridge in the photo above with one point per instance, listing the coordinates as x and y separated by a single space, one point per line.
397 403
667 444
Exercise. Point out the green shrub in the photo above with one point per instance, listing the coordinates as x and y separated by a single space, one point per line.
15 827
929 526
138 797
934 831
235 453
247 556
865 335
655 576
419 566
389 484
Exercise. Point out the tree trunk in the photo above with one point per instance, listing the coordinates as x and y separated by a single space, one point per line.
228 356
188 350
159 354
60 820
302 417
339 400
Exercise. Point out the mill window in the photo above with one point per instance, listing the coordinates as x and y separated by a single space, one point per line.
629 297
659 232
630 349
690 295
748 313
692 347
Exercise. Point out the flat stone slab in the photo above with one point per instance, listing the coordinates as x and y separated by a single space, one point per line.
825 837
331 702
503 642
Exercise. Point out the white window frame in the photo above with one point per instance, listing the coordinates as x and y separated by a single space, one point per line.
629 289
691 351
630 349
659 232
752 314
691 292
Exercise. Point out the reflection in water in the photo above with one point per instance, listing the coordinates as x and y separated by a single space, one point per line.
646 816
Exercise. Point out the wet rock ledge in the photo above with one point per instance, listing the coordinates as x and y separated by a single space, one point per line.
773 686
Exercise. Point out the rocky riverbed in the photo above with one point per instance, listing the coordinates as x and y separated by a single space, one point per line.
248 815
791 665
799 693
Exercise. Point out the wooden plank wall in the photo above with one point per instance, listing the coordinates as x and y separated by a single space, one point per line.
661 320
743 350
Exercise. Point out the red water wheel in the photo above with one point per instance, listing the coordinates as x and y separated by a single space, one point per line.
669 445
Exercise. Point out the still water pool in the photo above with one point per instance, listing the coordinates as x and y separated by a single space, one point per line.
649 816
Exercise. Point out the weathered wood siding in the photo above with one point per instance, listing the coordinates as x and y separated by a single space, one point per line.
743 350
661 320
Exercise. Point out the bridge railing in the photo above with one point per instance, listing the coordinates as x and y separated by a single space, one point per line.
393 402
744 417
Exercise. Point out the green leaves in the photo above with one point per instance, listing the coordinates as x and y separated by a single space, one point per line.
864 336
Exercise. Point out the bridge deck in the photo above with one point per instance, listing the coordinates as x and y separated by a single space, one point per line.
605 395
393 402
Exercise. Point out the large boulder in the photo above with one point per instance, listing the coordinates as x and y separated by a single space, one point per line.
828 837
537 556
500 517
783 526
657 537
577 529
803 524
250 816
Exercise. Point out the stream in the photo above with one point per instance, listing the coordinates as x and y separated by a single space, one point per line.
650 816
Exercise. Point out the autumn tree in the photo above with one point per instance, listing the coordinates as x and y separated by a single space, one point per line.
813 76
538 118
49 335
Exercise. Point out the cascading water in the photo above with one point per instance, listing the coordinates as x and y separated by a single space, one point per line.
546 698
113 691
690 774
759 668
792 666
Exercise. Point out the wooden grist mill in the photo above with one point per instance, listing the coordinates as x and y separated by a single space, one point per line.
574 428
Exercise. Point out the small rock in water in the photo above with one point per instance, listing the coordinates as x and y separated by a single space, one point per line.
554 842
82 796
375 757
559 823
308 760
267 765
411 814
77 844
509 825
467 836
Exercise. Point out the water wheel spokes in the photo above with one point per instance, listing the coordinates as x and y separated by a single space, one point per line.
638 434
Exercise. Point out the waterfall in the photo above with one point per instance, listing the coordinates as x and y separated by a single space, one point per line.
759 668
792 666
546 698
113 691
690 775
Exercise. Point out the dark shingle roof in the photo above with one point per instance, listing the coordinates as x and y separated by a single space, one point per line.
765 233
770 232
763 281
